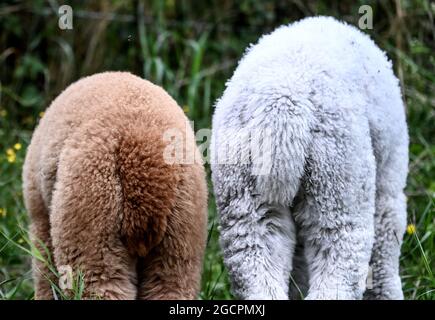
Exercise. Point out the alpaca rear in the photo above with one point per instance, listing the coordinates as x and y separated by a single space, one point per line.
132 223
338 164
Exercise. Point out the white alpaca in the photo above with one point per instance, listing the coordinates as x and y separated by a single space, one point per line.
321 99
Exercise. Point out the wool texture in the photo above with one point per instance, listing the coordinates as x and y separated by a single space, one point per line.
310 190
104 201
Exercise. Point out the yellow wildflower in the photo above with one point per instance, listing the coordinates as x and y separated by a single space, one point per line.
11 155
41 114
2 212
3 113
17 146
21 240
186 109
12 159
410 229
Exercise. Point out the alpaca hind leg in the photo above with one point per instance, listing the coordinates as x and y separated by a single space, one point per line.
390 223
86 217
172 269
258 246
257 238
40 236
169 272
257 166
337 217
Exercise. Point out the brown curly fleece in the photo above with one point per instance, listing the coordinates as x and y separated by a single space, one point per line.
102 199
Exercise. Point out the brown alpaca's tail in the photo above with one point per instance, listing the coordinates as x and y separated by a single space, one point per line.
149 187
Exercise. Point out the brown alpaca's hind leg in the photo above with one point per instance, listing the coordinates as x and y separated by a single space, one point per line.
108 271
172 270
40 237
85 217
166 275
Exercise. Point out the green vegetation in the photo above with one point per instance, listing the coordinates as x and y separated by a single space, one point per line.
191 48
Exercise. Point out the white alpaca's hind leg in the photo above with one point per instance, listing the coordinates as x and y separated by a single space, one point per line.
390 223
336 214
257 228
257 241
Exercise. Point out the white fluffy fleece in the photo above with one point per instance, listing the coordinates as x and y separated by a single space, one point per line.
318 100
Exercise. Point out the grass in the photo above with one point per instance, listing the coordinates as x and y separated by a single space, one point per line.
191 54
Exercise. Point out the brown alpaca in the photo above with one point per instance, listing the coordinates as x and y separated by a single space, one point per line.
103 200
